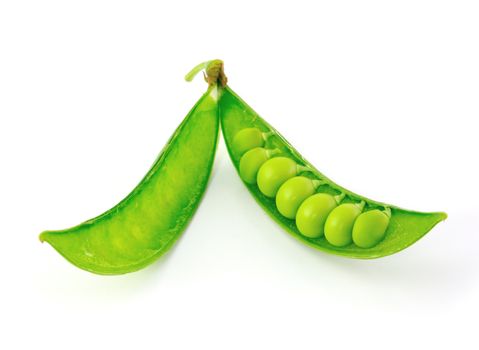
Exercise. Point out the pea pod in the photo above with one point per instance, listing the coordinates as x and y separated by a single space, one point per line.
145 224
389 233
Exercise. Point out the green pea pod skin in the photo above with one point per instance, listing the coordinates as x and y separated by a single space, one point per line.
405 226
145 224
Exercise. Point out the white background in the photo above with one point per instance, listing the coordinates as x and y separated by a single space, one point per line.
382 96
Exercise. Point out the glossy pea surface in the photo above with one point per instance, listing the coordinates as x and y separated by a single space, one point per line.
273 173
292 193
370 228
247 139
338 228
250 163
312 214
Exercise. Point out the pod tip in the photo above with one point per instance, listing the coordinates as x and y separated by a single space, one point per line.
213 72
42 237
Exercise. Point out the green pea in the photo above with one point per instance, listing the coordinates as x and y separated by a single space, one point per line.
339 224
370 228
274 172
252 160
247 139
292 193
313 212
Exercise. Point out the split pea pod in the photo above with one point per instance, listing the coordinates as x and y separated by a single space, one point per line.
145 224
307 204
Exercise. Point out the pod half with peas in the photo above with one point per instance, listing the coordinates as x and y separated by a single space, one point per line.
306 203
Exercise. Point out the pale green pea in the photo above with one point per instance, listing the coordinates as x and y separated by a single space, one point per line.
274 172
370 228
292 193
247 139
339 224
252 160
313 212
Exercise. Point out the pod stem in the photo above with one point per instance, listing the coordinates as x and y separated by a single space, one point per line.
213 73
302 168
387 211
317 183
273 152
361 205
339 198
267 135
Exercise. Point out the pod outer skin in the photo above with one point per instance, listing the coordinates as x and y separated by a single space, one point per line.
145 224
405 227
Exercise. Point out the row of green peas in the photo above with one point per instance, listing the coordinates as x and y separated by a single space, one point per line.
316 214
